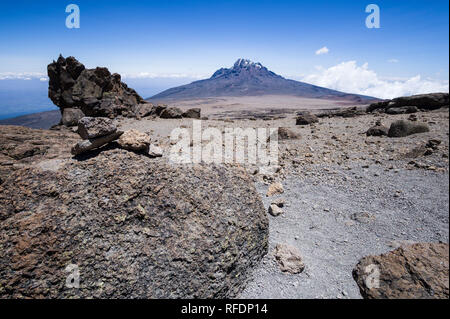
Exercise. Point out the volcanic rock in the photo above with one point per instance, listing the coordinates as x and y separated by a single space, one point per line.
275 188
134 140
155 151
306 118
417 271
404 128
289 259
377 130
275 210
285 133
402 110
134 227
194 113
96 92
91 144
428 102
171 113
92 127
71 116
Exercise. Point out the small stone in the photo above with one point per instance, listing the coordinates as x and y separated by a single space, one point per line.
275 188
289 259
274 210
279 202
155 151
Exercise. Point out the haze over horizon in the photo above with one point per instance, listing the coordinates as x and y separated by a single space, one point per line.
158 45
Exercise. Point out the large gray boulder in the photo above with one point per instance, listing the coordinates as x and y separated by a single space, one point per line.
404 128
92 127
134 227
96 92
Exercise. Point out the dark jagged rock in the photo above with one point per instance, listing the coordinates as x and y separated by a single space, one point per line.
306 118
378 130
171 113
136 227
285 133
425 102
404 128
346 112
96 92
194 113
71 116
418 271
402 110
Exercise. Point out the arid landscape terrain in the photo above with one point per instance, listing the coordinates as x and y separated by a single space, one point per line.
358 191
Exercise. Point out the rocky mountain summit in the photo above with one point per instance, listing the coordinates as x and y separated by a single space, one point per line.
247 78
96 92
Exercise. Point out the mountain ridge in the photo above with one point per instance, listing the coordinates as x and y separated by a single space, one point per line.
247 78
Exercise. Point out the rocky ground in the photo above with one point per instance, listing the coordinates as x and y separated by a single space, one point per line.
346 195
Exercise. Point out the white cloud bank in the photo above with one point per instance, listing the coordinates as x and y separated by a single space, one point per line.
351 78
21 75
323 50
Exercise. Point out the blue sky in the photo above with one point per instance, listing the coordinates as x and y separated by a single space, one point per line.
191 39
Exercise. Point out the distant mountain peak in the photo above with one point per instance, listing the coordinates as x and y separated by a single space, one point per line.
245 63
244 67
247 78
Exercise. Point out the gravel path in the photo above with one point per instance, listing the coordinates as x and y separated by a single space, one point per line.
406 205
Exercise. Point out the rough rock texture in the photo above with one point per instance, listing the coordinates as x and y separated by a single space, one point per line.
144 110
92 127
96 92
306 118
404 128
21 146
378 130
411 271
289 259
70 116
428 102
94 143
194 113
134 140
275 210
171 113
402 110
345 113
285 133
136 227
274 189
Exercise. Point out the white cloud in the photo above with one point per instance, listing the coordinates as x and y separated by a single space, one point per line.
393 61
323 50
351 78
21 75
43 79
